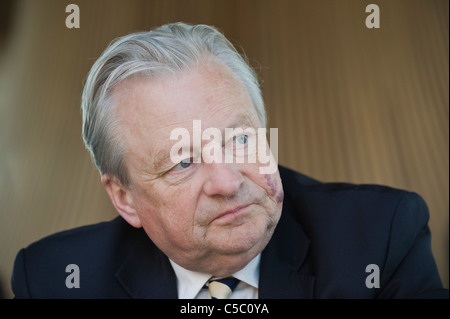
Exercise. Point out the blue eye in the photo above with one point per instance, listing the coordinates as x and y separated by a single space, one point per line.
185 163
241 139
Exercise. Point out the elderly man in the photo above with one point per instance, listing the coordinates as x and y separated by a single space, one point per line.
222 227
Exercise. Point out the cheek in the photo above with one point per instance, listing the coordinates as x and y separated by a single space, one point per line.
275 187
168 209
169 220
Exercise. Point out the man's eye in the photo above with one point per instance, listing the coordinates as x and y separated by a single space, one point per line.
184 164
241 139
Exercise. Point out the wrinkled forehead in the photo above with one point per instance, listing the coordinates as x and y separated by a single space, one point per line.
207 92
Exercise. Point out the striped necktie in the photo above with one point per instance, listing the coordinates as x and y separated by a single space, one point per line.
221 288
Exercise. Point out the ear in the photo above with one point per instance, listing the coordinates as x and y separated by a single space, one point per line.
122 200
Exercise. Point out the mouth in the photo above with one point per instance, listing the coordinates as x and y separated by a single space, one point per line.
230 214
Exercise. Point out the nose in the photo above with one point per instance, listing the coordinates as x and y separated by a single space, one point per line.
223 179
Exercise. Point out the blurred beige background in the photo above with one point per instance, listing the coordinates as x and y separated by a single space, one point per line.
351 104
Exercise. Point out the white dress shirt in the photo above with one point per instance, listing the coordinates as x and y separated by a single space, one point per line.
190 283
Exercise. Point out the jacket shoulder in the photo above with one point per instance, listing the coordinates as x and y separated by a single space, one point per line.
330 208
352 226
336 199
41 269
297 184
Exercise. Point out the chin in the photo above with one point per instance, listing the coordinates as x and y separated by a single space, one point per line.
245 240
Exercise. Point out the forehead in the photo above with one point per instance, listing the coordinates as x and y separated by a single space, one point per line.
149 109
203 91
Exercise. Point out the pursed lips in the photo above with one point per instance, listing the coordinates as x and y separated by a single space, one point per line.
228 215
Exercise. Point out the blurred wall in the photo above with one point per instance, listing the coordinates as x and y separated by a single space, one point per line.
351 103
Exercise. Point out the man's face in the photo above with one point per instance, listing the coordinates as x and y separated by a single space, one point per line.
208 217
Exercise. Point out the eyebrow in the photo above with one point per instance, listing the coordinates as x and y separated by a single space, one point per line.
242 121
161 160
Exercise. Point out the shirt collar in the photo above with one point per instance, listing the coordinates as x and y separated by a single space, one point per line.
250 273
189 283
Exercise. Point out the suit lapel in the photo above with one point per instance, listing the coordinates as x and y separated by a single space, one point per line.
285 268
146 272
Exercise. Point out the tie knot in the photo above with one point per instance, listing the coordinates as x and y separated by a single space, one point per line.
222 288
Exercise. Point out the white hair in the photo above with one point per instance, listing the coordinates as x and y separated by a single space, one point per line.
167 49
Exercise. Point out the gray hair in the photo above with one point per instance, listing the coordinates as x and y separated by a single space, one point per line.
167 49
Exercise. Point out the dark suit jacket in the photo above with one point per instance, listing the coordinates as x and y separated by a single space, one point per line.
327 235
